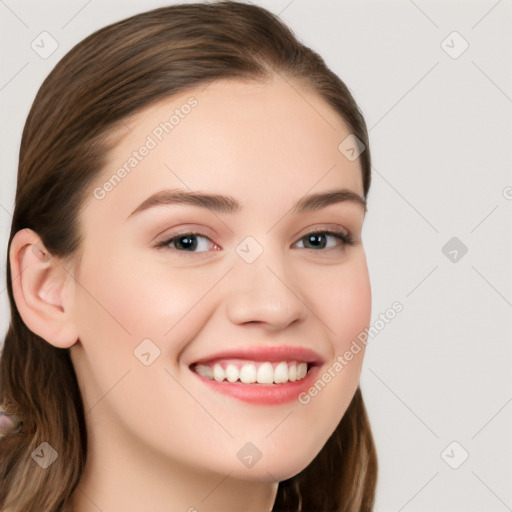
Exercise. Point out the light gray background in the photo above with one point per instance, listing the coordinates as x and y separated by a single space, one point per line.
440 134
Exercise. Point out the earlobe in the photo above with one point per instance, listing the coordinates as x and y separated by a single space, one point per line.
41 288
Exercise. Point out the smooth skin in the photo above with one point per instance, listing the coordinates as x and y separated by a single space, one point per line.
158 436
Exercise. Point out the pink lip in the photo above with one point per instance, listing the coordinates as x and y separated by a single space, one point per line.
265 394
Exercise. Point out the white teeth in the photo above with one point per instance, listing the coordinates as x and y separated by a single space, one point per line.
232 373
248 373
218 373
281 373
292 372
251 372
265 374
302 369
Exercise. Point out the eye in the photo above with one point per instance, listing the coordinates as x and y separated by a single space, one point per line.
194 242
317 238
186 242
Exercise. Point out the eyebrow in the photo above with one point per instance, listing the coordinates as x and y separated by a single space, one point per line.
227 204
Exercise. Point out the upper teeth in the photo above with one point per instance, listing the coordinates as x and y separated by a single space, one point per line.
250 372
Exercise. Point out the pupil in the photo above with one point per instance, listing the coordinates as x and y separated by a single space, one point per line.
190 243
315 239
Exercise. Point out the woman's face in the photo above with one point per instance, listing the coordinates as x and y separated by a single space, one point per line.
262 283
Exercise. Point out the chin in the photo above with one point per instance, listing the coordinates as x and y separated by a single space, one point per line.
274 468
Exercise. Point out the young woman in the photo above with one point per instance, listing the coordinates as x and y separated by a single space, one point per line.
187 277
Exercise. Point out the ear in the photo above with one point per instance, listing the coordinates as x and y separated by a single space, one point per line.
43 290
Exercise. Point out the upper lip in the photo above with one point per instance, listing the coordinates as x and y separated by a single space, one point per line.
266 353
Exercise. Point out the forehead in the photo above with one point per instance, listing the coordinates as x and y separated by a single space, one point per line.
266 143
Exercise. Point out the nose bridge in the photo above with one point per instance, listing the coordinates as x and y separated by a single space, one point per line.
263 288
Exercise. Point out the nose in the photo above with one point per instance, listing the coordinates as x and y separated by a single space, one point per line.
263 292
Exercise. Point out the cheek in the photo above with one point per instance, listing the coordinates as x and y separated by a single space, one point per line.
129 301
120 306
346 304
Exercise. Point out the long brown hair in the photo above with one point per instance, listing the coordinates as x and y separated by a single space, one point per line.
108 76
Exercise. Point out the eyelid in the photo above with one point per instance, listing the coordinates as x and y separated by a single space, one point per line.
185 229
326 228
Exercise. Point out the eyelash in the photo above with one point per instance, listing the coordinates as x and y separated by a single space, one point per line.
345 239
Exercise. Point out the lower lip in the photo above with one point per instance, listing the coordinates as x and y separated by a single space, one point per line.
267 394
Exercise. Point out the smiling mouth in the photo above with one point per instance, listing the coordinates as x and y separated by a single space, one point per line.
253 372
